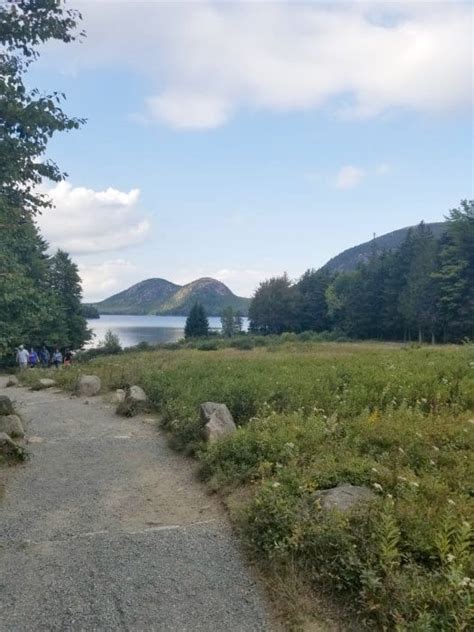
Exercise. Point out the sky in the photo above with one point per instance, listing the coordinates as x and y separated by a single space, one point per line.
243 140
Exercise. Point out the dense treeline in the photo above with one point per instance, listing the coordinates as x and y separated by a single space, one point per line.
39 294
422 291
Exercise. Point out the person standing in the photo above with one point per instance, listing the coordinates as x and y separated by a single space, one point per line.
68 357
22 357
57 358
33 358
44 357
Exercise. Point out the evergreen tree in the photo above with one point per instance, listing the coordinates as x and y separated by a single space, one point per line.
456 274
238 322
29 311
418 299
228 322
197 325
312 307
274 306
65 284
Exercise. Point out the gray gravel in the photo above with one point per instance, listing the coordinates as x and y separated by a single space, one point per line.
105 528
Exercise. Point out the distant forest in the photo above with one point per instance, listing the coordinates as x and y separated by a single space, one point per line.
423 291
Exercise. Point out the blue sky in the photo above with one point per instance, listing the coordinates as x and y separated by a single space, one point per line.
243 140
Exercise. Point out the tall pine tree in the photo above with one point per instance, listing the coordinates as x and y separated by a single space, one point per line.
29 310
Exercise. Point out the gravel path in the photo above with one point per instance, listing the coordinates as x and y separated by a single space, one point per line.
105 528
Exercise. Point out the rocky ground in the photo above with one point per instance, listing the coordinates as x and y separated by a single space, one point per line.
105 528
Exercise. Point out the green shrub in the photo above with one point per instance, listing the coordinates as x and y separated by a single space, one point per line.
313 414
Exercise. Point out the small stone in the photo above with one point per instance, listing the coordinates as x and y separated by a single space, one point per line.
13 381
6 406
118 396
88 385
12 426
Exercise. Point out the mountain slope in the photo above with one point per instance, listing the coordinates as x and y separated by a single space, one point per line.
158 296
349 259
145 297
213 294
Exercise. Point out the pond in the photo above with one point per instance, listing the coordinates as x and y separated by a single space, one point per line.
132 330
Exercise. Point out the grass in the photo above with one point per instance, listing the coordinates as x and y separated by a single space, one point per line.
399 420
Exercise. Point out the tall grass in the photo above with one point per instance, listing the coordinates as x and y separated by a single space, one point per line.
398 420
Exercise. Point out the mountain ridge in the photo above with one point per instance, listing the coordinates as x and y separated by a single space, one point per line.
162 297
349 259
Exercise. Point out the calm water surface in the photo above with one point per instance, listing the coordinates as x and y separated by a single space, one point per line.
152 329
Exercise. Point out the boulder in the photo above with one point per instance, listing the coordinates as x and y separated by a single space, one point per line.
118 397
136 395
46 382
12 426
6 406
216 421
344 497
135 401
13 381
9 448
88 385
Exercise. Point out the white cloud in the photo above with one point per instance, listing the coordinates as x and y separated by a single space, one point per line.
85 221
181 110
242 282
206 60
349 177
101 280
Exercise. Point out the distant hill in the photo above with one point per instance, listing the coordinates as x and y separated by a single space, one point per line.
349 259
158 296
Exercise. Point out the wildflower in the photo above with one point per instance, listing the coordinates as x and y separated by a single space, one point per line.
276 484
450 557
466 581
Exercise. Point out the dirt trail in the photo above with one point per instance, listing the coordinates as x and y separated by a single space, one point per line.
105 528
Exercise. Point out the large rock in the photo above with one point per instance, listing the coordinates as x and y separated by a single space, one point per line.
9 448
12 426
136 395
217 421
46 382
6 406
13 381
88 385
344 497
134 401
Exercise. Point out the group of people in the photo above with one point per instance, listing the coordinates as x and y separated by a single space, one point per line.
43 358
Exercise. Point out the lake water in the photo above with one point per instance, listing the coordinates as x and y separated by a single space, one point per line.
152 329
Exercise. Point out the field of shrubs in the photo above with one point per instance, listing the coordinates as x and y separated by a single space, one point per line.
398 420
